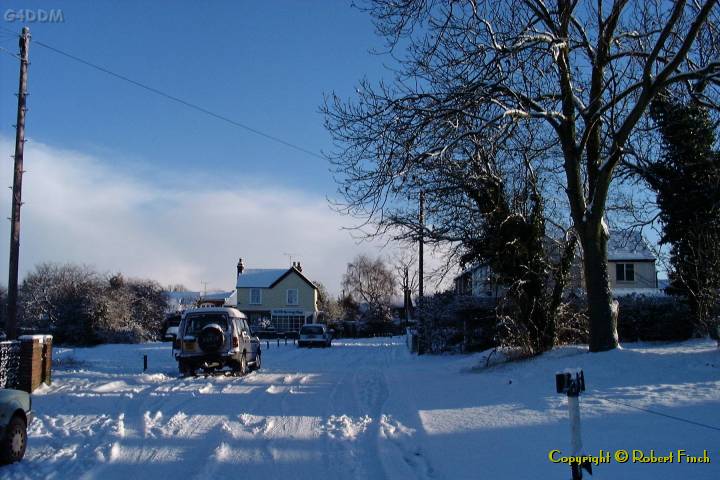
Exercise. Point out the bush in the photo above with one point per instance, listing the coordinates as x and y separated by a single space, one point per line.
653 319
459 323
80 307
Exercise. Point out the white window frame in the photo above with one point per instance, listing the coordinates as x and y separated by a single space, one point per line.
259 291
297 296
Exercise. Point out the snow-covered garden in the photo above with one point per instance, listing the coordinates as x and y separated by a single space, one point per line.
369 409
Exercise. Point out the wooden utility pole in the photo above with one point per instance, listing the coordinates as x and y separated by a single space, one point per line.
424 339
11 323
420 247
407 299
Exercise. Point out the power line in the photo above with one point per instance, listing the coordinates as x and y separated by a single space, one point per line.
5 50
176 99
646 410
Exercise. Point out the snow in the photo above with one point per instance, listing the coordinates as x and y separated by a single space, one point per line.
259 277
515 113
642 292
39 338
367 409
628 246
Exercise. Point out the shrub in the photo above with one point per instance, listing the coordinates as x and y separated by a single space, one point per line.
459 323
653 319
80 307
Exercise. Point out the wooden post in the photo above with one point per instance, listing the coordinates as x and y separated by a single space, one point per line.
11 322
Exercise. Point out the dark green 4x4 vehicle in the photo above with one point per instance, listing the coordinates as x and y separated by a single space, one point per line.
15 415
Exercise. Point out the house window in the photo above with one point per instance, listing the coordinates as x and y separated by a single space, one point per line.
292 296
625 272
255 296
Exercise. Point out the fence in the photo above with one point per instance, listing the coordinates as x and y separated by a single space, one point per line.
26 363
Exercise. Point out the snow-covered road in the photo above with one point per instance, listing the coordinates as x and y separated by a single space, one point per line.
365 409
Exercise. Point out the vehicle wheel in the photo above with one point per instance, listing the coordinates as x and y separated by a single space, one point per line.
15 440
243 364
185 369
258 360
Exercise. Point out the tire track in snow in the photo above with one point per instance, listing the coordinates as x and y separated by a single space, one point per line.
401 452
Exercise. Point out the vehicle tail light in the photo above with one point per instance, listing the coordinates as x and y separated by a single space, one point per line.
236 342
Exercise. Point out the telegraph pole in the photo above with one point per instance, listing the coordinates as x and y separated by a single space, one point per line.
423 340
11 323
420 247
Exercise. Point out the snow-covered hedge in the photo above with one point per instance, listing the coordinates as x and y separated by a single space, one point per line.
79 306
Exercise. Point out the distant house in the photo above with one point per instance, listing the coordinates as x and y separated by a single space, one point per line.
285 297
179 301
631 268
477 281
217 299
631 263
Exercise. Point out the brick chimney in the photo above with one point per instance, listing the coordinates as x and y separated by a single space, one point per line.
240 267
299 267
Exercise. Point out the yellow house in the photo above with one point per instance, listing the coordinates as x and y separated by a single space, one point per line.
286 297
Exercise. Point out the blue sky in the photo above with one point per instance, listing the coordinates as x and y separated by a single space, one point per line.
266 64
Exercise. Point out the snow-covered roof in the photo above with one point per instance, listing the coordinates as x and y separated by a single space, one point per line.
216 296
230 311
182 294
267 277
259 277
629 246
471 269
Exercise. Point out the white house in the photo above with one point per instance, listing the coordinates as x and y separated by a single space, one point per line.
631 263
631 268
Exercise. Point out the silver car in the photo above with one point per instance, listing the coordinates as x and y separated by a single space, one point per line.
314 335
15 415
213 339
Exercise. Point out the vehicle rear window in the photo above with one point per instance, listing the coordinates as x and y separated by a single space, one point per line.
195 323
311 331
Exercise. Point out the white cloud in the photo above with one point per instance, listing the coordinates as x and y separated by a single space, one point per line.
173 228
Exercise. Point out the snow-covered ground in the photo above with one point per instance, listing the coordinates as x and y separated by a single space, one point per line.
367 409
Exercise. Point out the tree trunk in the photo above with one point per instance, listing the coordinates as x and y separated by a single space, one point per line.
602 309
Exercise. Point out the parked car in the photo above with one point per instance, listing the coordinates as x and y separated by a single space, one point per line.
216 338
170 326
15 415
314 335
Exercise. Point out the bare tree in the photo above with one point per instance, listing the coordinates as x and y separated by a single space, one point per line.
561 86
330 306
370 281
